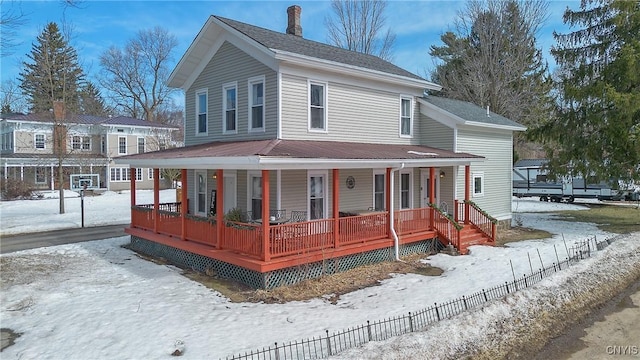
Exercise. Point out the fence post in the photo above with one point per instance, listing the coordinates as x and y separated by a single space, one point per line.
554 268
328 344
526 284
277 352
485 295
507 285
410 322
369 330
437 311
465 302
541 274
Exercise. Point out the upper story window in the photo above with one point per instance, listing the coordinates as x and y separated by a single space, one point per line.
229 108
201 112
39 141
406 117
103 144
141 145
256 103
81 142
7 141
317 106
122 145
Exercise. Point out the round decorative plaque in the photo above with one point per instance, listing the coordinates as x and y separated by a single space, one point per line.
351 182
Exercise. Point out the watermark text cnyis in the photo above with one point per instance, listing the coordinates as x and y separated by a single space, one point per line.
623 350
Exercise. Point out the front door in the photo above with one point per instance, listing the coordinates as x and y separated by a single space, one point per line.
424 188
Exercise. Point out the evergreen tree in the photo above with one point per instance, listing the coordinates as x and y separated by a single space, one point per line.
91 102
492 60
53 74
597 128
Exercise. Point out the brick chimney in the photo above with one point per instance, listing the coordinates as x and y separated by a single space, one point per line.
293 25
58 110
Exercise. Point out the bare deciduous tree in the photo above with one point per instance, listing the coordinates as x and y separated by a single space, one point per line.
135 76
492 60
11 99
359 26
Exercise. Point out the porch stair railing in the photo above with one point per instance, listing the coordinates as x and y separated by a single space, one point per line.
477 218
447 228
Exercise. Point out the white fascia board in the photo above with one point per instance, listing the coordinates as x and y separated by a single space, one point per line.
341 68
496 126
218 33
274 163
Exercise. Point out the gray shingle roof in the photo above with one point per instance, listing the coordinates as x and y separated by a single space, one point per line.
298 45
530 163
469 111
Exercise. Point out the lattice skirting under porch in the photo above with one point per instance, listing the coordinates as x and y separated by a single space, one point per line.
273 279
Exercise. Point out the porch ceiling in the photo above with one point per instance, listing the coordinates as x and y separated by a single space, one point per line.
296 154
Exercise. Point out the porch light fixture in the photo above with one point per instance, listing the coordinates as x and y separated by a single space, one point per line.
441 174
214 176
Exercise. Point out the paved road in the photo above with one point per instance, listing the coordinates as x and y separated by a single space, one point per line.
13 243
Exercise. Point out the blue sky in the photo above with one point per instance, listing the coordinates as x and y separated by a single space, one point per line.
97 25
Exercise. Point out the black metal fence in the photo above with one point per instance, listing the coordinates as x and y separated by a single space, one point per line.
331 344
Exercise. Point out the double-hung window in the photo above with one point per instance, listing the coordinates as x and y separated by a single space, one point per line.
405 190
255 194
122 145
41 175
39 141
201 112
229 108
81 142
256 103
317 106
141 145
478 184
379 190
406 118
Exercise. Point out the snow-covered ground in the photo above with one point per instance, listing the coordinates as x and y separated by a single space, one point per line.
99 300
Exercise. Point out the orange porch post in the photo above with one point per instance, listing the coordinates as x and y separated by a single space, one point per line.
156 199
219 207
132 180
387 199
336 208
467 192
432 194
265 216
183 204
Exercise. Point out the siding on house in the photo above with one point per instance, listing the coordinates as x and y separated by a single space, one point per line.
496 168
355 113
231 64
435 134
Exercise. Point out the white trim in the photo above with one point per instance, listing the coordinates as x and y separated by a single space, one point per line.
479 175
225 87
279 120
199 92
325 191
44 141
144 145
250 82
197 192
410 173
325 92
411 120
126 145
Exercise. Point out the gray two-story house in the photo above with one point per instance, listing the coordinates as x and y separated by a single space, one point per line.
302 158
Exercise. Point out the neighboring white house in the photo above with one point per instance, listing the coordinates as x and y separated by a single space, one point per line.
28 150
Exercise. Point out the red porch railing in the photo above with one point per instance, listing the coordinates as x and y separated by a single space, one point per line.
201 230
446 227
362 228
478 218
409 221
242 237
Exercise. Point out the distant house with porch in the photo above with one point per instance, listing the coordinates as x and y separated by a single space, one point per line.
302 159
88 144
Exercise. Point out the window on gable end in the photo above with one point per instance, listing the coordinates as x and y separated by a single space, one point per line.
317 106
202 112
406 117
256 103
39 141
229 108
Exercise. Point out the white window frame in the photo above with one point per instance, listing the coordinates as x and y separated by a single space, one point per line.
410 173
120 145
226 87
325 93
144 145
204 92
44 141
150 173
325 191
197 192
40 174
377 172
80 144
474 176
250 176
401 116
254 81
138 174
119 174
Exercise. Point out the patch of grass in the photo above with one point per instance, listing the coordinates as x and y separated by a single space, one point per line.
519 233
616 219
329 286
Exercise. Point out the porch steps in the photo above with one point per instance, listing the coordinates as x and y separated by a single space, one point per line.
470 236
